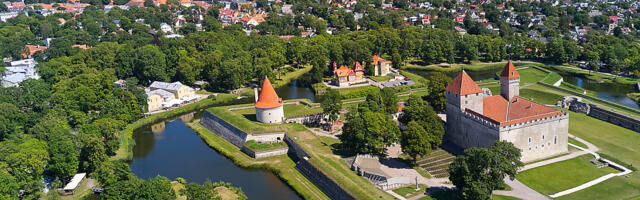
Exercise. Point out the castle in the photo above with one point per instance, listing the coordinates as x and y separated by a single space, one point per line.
268 105
476 120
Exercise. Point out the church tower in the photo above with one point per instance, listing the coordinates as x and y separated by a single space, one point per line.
509 82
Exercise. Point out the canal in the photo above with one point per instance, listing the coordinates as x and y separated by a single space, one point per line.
613 92
297 89
171 149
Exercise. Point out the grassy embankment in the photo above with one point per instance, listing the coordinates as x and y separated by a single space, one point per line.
410 191
224 193
286 78
596 76
319 148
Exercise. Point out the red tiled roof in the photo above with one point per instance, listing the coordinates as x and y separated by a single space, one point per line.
31 49
342 71
497 110
509 71
268 97
463 85
357 66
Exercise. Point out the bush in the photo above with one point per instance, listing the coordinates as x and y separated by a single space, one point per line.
181 180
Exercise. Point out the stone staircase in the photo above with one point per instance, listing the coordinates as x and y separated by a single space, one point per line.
437 163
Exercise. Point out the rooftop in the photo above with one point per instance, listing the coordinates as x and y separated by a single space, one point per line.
463 85
268 97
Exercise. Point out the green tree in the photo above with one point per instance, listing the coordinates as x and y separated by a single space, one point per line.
414 140
155 188
389 100
27 165
369 132
92 154
150 65
194 191
438 82
421 112
331 104
9 187
483 170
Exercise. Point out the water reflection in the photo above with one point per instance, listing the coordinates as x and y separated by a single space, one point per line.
613 92
297 89
177 151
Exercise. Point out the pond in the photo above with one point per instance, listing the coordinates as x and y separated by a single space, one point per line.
171 149
613 92
297 89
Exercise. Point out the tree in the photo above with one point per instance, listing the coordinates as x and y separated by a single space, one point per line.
369 132
27 165
438 82
483 170
194 191
414 140
421 112
150 65
64 158
396 59
9 187
155 188
331 104
389 100
92 154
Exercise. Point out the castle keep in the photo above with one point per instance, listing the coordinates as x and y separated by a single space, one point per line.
476 120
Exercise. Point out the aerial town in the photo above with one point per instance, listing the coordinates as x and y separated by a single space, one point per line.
347 99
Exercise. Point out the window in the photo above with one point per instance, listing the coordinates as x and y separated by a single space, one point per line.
555 139
543 137
466 102
529 140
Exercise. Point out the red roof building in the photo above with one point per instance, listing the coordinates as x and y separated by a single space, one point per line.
509 71
463 85
31 49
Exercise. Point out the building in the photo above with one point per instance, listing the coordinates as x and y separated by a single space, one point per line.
178 89
476 120
344 76
269 107
19 71
71 187
162 95
380 66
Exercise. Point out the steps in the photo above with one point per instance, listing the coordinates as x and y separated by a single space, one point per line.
437 163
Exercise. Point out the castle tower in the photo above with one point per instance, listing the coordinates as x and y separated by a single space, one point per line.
509 82
464 93
269 107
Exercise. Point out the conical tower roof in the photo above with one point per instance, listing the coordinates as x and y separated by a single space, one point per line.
268 97
463 85
509 71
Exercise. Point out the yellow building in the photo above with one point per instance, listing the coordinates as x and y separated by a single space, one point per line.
156 98
180 91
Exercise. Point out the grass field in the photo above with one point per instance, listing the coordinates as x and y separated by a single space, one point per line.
577 143
531 75
380 78
410 191
562 175
540 97
255 146
289 76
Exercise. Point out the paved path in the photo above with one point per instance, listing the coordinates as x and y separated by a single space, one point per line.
395 195
520 191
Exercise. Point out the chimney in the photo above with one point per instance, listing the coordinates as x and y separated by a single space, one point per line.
255 93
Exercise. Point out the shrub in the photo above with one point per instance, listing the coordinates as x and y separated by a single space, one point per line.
181 180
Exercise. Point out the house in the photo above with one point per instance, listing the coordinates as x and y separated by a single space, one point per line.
31 49
18 71
477 120
179 90
7 15
379 66
345 76
157 99
71 187
166 28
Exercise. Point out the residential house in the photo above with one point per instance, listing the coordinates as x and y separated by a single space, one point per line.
178 89
380 66
345 76
32 49
18 71
156 99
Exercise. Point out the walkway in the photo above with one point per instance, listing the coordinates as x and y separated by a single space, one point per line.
520 191
625 171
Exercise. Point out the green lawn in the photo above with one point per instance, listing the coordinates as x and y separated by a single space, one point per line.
531 75
380 78
562 175
410 191
255 146
290 110
540 97
288 76
620 143
356 92
577 143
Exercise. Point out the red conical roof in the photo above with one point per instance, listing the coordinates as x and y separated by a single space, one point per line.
268 97
357 66
463 85
509 71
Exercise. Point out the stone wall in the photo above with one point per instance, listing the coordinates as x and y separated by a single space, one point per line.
575 104
264 154
319 179
539 139
223 129
316 118
266 137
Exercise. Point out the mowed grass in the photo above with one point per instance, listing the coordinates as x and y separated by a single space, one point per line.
540 97
531 75
290 110
410 191
620 143
560 176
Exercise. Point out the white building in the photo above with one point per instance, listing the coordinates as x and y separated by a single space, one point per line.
269 107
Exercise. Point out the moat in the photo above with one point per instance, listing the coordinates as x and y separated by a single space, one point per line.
171 149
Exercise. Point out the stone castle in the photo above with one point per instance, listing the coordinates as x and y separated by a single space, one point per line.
476 120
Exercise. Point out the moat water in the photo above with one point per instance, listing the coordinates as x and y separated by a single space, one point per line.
613 92
171 149
297 89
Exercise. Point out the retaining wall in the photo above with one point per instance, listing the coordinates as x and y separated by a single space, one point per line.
264 154
319 179
223 129
623 120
